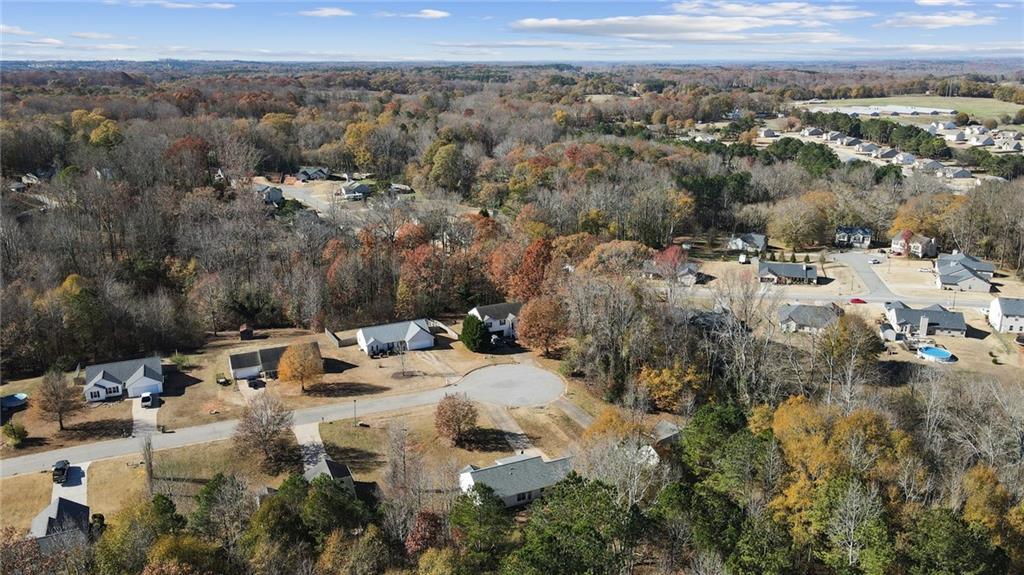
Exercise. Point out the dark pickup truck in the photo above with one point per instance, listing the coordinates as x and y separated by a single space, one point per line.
60 471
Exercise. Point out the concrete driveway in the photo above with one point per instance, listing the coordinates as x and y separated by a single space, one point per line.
858 262
144 418
75 488
310 443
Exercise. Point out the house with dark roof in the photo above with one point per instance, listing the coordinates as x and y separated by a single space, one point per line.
334 470
853 237
131 377
269 194
499 318
398 336
786 273
808 318
962 272
932 320
665 433
263 362
517 480
884 153
1006 314
308 173
62 519
749 243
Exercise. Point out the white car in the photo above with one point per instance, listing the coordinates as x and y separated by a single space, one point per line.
873 261
147 399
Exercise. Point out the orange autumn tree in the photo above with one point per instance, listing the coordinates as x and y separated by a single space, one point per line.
300 362
671 388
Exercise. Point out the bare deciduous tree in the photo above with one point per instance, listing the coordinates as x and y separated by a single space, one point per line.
264 427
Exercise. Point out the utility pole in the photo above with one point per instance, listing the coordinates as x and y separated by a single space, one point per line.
355 420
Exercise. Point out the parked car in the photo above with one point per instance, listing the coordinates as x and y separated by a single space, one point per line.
148 399
857 300
60 471
222 380
256 383
874 261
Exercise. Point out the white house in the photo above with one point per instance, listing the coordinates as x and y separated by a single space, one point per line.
943 125
808 318
850 141
865 148
498 318
132 377
932 320
833 136
261 362
517 480
1010 146
976 129
929 165
853 237
955 173
962 272
810 132
750 242
904 159
1006 314
907 242
978 140
885 153
399 336
767 133
955 136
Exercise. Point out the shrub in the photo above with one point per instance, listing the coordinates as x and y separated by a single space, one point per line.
181 361
14 433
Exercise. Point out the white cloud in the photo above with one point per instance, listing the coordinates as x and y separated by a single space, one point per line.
428 14
938 20
684 28
42 42
942 2
92 35
327 12
556 44
176 5
14 30
837 12
1001 5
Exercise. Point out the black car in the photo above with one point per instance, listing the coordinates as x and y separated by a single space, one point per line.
60 471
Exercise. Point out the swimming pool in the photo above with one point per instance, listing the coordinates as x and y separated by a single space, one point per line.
935 354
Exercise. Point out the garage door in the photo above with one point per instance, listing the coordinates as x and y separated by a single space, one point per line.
140 388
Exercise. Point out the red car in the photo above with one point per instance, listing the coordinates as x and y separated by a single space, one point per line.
857 300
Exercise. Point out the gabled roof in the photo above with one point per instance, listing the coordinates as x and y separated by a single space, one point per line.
267 359
125 371
760 241
854 230
938 316
61 516
1011 306
522 473
813 316
499 310
959 275
329 467
663 430
395 332
952 261
787 270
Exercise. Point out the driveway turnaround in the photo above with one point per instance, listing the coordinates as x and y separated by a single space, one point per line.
503 385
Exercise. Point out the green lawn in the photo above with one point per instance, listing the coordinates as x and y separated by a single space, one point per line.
982 108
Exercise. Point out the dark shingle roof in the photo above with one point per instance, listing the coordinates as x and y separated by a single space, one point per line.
123 370
938 316
394 332
1011 306
329 467
499 310
514 475
787 270
266 359
814 316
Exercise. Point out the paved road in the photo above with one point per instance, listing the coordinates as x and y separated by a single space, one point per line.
503 385
879 292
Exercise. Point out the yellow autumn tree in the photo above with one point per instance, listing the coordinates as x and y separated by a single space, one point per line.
610 423
300 362
986 500
670 388
924 214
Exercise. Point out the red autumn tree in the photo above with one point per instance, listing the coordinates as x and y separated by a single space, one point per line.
425 533
542 322
528 280
189 161
454 417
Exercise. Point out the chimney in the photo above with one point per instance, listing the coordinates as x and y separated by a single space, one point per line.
923 326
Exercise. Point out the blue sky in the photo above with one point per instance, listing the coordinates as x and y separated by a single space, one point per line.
683 31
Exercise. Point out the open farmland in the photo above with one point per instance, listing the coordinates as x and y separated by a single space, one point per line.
978 107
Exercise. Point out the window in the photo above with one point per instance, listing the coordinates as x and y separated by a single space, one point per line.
521 497
94 395
501 322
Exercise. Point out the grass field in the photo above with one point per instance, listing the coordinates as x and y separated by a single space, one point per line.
982 108
22 497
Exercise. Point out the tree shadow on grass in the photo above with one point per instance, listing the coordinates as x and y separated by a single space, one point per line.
343 389
359 460
332 365
176 382
99 429
485 439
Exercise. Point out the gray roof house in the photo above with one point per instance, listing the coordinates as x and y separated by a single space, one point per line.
786 273
885 153
398 336
307 173
808 318
749 242
812 131
1006 314
61 516
269 194
260 362
665 432
517 480
932 320
499 317
853 237
132 377
865 148
334 470
962 272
